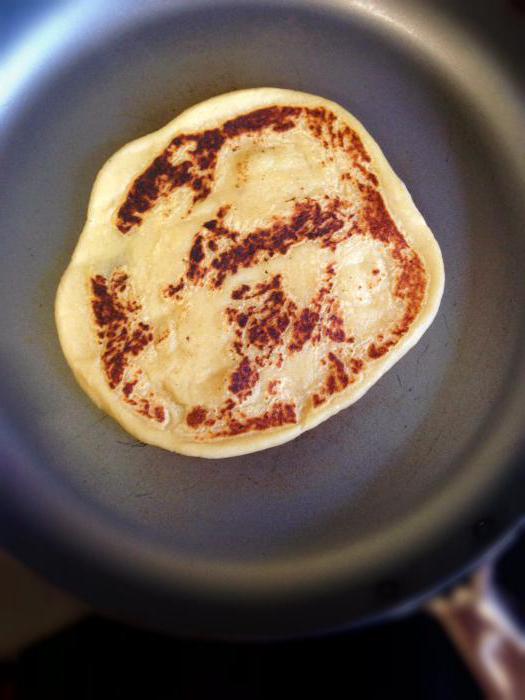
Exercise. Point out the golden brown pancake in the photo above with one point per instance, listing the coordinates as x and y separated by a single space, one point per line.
244 273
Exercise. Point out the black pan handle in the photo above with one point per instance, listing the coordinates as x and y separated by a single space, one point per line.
493 647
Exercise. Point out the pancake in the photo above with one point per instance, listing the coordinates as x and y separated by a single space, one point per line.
244 273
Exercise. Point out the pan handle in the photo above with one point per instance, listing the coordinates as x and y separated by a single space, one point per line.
487 638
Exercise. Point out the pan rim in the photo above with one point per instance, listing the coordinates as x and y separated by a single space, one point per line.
17 478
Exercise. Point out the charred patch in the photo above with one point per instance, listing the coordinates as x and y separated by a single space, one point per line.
121 334
376 351
268 321
411 280
278 415
334 328
159 179
198 153
174 289
122 337
128 388
303 328
147 408
410 287
357 365
273 387
337 377
159 414
241 291
327 223
197 170
196 416
243 379
262 321
261 119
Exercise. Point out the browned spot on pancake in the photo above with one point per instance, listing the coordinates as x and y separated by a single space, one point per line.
243 379
241 291
144 407
410 287
197 170
278 415
356 147
267 320
197 252
260 119
266 315
173 289
273 386
159 414
337 378
242 320
160 178
196 416
128 388
321 122
326 127
303 329
198 156
377 351
378 221
197 255
411 280
356 365
334 328
328 223
284 126
148 410
122 335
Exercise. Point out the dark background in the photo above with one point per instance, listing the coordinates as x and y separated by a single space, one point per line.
408 658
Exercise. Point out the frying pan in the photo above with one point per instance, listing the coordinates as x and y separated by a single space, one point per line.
375 509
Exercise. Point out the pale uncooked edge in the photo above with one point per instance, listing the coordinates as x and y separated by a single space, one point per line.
127 163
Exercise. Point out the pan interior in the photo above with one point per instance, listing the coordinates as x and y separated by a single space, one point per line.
364 470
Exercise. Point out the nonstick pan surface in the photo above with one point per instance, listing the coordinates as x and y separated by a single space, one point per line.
374 508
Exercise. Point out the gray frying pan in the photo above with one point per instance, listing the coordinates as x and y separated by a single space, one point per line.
382 504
